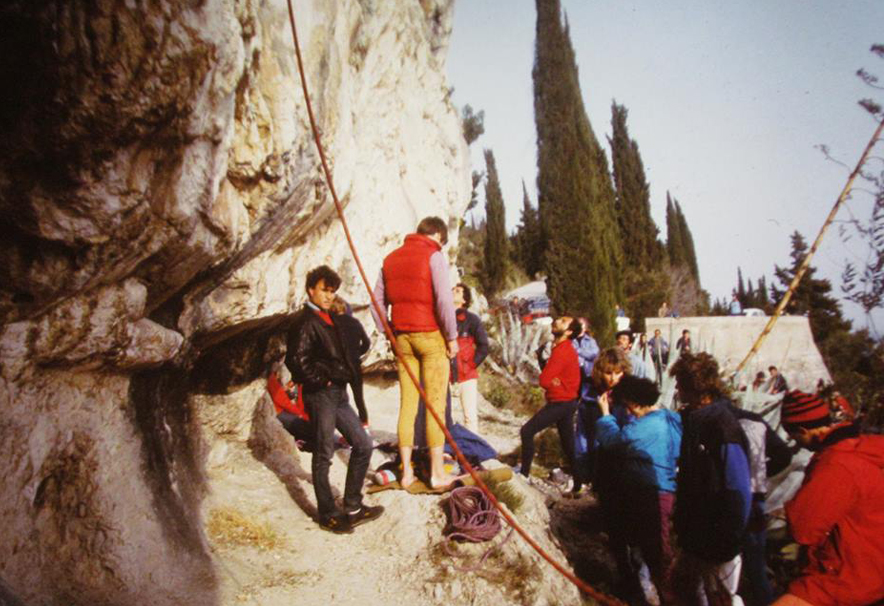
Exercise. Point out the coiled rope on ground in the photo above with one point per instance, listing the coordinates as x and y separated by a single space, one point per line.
586 588
473 518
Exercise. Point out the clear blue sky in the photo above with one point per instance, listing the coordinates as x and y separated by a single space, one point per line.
726 101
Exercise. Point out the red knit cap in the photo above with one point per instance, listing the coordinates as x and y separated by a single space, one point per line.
805 410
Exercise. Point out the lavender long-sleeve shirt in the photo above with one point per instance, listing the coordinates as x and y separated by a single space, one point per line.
441 294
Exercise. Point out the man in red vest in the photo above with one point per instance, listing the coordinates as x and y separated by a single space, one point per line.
414 283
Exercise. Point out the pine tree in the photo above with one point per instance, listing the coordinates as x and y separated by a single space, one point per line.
582 250
638 233
528 246
811 297
687 242
494 269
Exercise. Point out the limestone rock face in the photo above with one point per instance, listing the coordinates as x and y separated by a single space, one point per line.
162 203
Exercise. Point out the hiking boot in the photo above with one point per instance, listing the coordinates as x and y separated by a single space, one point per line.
339 524
364 514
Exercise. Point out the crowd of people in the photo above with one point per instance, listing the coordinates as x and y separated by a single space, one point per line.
682 493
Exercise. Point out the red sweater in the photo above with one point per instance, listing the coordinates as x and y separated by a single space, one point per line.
839 514
564 366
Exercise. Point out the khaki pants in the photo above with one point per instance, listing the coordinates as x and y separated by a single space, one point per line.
427 357
467 393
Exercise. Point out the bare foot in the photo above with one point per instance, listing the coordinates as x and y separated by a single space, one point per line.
406 481
443 482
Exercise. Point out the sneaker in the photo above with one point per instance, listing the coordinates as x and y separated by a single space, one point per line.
364 514
339 524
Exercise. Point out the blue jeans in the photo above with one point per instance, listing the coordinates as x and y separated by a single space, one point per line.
330 408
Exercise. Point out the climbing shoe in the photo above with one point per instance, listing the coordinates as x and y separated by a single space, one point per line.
364 514
339 524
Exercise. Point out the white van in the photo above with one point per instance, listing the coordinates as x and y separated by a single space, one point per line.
753 312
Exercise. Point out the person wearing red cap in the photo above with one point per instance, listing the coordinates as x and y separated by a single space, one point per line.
838 513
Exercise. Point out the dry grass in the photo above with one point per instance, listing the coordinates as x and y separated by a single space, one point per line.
228 527
506 494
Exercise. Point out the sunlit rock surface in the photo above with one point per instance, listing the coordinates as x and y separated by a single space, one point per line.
162 203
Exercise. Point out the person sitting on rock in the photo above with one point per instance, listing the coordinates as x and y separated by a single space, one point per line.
560 380
646 451
777 382
319 364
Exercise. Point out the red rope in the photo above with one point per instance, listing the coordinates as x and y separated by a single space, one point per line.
604 599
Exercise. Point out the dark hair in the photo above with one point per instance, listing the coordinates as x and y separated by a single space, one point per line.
467 293
772 368
697 375
633 390
325 273
575 327
685 331
433 225
628 333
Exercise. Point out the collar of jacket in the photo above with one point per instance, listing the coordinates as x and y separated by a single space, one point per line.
422 240
322 314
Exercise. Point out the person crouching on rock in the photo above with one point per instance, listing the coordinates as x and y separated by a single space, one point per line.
316 359
560 380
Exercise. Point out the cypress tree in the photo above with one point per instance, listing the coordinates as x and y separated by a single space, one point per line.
495 229
750 294
687 242
530 252
582 250
763 296
674 245
638 233
741 288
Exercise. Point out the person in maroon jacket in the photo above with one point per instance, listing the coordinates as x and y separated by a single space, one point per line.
472 343
560 380
414 283
838 513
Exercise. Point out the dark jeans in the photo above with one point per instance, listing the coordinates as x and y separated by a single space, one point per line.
297 427
755 569
560 414
330 408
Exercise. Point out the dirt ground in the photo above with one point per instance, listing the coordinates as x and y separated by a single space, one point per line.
269 551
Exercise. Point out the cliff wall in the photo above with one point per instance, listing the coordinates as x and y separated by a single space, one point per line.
162 203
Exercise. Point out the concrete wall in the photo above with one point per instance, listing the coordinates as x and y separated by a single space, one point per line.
790 346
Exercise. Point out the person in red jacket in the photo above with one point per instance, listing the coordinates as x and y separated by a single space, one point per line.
560 380
414 283
838 513
472 344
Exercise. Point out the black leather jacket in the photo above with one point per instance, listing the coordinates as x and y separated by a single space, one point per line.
315 353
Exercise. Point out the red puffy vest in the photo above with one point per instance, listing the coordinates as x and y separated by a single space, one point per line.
408 285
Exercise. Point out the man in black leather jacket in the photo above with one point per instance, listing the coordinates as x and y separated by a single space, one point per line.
316 358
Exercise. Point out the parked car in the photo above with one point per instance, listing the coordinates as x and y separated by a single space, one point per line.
753 312
534 308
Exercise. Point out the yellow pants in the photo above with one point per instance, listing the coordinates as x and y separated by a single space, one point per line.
424 353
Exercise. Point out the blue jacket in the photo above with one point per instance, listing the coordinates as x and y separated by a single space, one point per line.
648 447
587 351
